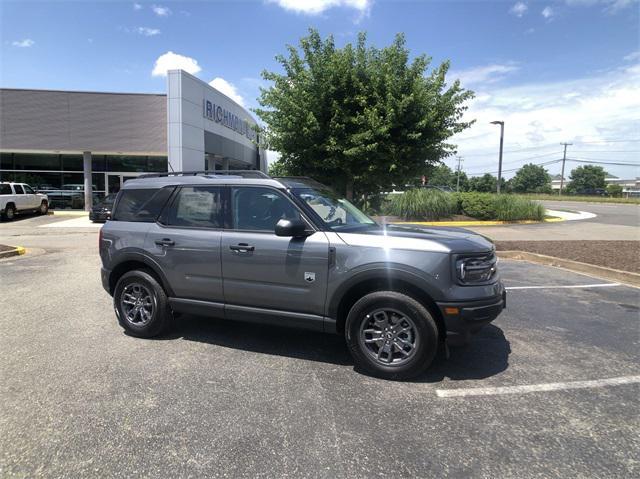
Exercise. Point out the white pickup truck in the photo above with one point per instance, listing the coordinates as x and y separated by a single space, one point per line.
20 198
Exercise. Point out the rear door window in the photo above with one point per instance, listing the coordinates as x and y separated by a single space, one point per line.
141 205
18 189
197 207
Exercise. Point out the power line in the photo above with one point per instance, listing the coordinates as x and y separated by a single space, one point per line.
610 141
603 162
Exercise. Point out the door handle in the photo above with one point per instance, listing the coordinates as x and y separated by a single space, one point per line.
165 242
242 248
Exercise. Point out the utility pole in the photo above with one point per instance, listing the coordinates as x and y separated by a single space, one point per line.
458 179
564 158
501 123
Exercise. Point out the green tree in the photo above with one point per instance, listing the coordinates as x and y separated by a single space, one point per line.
586 177
615 190
486 183
278 168
531 179
359 118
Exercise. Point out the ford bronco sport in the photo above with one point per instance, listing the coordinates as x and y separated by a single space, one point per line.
289 251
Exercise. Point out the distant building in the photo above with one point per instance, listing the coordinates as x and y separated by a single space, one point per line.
630 187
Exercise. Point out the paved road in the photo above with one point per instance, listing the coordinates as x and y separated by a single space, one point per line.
221 399
613 222
612 214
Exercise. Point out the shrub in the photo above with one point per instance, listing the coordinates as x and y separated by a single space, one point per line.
422 204
478 205
615 190
487 206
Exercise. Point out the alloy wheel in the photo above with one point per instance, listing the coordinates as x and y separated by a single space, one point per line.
388 336
137 304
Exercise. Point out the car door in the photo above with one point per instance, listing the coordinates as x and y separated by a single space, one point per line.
185 242
265 271
31 198
21 198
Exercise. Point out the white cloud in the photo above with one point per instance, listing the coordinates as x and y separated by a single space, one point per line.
547 12
315 7
174 61
610 6
538 116
148 32
519 9
161 11
633 56
228 89
483 74
26 43
137 6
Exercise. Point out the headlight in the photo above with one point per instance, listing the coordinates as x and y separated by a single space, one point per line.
476 269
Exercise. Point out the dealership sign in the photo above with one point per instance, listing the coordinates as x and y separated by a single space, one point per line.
221 115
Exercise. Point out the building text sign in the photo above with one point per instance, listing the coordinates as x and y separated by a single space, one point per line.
221 115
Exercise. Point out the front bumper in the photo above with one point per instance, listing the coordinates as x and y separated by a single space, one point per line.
462 319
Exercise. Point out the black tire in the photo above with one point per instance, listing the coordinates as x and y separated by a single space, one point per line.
424 335
9 212
44 207
160 319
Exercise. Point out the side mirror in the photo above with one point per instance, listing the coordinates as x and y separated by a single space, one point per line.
293 228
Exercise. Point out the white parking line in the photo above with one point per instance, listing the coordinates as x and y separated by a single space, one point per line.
533 388
565 286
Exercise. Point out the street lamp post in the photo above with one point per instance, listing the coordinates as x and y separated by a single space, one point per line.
501 123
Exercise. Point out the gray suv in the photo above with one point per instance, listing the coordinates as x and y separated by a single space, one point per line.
289 251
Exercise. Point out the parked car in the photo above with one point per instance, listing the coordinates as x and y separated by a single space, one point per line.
69 196
592 192
289 251
18 198
101 211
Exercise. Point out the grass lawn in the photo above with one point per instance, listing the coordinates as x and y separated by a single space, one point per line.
584 199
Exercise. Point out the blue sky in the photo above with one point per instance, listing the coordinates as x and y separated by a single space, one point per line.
552 70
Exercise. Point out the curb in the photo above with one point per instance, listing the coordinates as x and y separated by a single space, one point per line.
17 251
478 223
619 276
67 213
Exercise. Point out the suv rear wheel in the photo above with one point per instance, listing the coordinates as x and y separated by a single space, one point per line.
9 212
391 335
141 304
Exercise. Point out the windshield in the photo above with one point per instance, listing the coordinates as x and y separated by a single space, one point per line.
336 213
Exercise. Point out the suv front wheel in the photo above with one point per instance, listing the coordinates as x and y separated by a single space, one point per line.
391 335
141 304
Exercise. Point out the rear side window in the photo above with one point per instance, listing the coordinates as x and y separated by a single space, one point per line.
141 205
5 190
197 207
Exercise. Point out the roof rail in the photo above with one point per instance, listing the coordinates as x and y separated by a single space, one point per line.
241 173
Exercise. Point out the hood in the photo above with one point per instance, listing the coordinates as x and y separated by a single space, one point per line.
412 237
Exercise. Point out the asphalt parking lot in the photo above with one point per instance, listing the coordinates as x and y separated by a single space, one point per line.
220 399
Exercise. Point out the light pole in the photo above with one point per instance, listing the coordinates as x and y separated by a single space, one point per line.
501 123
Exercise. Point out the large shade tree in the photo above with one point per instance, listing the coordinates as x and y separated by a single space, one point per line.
531 178
586 177
359 118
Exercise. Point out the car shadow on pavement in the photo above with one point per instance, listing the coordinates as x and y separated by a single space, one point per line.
486 355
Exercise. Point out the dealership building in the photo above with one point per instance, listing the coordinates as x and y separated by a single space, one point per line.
56 140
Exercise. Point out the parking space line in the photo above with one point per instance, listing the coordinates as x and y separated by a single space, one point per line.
532 388
565 286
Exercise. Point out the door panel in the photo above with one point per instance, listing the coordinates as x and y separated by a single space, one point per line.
272 275
191 264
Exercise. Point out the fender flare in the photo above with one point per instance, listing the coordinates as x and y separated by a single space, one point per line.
139 257
384 274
